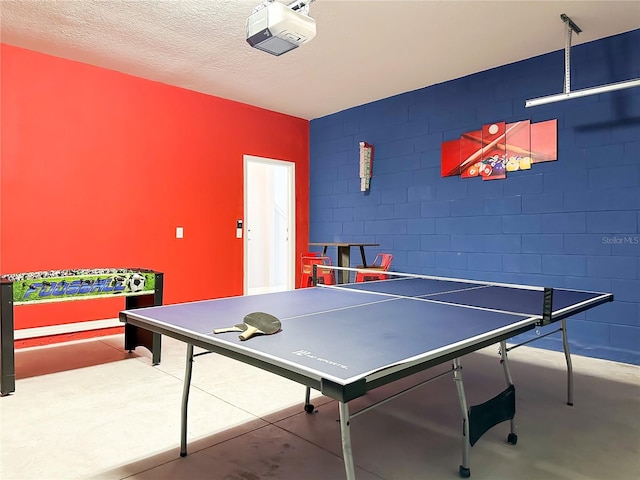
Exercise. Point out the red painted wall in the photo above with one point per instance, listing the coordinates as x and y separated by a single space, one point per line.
98 168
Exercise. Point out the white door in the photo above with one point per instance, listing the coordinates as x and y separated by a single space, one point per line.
269 222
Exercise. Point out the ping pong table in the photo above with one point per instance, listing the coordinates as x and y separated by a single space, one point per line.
347 340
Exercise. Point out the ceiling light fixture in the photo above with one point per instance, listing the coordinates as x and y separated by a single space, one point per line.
568 94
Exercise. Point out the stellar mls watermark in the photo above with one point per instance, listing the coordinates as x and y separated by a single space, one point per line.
621 240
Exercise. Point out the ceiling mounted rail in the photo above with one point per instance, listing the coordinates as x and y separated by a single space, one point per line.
568 94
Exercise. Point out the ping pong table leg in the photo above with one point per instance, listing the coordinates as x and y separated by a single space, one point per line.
567 356
346 441
512 438
185 401
465 471
308 406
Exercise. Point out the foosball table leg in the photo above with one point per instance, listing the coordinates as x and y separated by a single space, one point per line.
139 337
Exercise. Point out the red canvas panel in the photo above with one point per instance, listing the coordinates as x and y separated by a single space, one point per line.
544 141
470 153
493 155
450 158
518 146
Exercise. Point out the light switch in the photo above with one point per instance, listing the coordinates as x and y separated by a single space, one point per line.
179 232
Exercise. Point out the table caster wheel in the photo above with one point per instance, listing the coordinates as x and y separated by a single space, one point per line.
465 472
309 408
512 439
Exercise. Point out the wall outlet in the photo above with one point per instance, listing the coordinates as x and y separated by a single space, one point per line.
179 232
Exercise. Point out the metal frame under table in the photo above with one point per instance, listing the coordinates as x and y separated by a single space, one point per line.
326 360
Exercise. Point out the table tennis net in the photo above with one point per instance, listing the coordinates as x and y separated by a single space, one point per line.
529 300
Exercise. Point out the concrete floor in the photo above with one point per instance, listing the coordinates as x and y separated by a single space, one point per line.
89 410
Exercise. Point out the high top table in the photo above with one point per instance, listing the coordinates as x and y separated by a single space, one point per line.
344 255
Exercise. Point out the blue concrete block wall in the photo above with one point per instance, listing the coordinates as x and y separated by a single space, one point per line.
573 223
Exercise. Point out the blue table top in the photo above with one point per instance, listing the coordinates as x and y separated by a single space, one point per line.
354 331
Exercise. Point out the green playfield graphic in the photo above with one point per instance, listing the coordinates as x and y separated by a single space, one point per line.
61 285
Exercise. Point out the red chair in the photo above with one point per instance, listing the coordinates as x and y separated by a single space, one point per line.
306 270
323 275
380 264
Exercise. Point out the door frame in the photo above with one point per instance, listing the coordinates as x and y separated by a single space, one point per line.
290 169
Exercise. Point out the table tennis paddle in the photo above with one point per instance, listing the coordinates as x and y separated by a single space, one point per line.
260 323
240 327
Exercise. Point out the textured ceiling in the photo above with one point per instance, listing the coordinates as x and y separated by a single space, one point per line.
363 50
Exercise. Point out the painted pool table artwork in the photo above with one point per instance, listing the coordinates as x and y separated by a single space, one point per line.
499 148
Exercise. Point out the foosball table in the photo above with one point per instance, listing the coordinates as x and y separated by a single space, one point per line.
139 287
